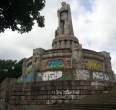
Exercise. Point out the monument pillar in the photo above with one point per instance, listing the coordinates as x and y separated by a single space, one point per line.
64 32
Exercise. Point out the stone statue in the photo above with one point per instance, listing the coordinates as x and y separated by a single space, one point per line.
65 21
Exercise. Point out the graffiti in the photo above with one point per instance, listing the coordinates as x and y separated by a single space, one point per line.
82 74
51 75
98 75
28 77
106 77
93 65
61 95
55 63
66 76
55 75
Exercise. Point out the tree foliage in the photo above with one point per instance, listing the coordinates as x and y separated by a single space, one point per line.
10 68
20 14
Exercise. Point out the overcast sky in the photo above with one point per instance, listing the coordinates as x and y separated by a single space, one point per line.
94 23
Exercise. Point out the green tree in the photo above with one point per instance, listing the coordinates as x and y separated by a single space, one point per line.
10 68
20 15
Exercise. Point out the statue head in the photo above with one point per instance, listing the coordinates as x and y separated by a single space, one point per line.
63 4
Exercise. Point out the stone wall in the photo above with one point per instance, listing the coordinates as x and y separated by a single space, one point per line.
5 89
42 93
81 62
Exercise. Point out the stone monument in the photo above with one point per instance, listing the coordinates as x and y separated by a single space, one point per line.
67 55
64 74
64 35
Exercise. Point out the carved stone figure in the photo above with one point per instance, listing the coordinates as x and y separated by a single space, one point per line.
65 21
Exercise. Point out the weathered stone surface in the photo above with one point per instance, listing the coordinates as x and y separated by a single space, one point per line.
52 93
64 74
68 54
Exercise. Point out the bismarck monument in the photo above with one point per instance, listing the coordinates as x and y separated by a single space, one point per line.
62 75
67 60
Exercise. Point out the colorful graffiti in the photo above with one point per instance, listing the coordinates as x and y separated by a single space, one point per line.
93 65
67 75
28 77
56 75
51 75
55 63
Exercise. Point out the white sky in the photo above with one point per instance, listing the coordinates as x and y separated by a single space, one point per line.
94 23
